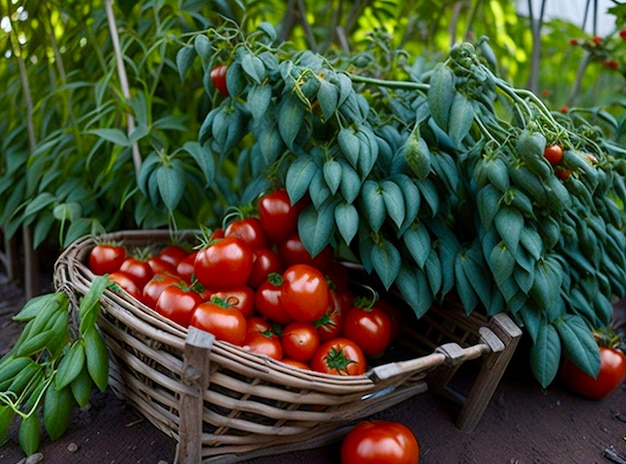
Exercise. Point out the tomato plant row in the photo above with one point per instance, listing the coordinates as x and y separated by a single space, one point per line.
252 283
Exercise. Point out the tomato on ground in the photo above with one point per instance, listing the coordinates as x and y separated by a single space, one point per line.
138 269
249 230
225 263
227 324
177 303
126 282
339 356
299 340
277 215
380 442
267 343
304 292
610 377
152 290
106 258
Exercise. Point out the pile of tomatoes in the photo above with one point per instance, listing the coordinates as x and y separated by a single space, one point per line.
253 284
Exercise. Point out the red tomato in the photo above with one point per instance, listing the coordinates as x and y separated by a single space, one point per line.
292 251
330 324
278 217
370 328
160 266
266 343
126 282
241 298
265 262
258 324
268 303
304 293
172 254
227 324
300 341
611 375
294 363
249 230
152 290
185 267
218 77
339 356
225 263
139 270
104 258
178 304
380 442
554 154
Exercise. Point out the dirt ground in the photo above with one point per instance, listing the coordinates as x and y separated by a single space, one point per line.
523 424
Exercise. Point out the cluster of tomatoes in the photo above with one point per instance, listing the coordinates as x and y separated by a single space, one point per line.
254 284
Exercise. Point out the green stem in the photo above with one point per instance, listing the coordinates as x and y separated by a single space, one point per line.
406 85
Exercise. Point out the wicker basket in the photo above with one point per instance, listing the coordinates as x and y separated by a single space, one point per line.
223 404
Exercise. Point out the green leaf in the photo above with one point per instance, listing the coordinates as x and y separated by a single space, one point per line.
434 272
202 44
429 193
6 419
41 201
253 67
373 204
350 146
386 262
464 287
332 175
203 157
533 319
488 204
316 227
350 182
501 262
113 135
57 410
412 200
579 343
89 308
460 119
290 118
258 101
417 241
347 221
97 358
413 285
171 182
509 223
81 387
394 201
328 97
271 144
29 434
441 94
299 176
545 354
70 365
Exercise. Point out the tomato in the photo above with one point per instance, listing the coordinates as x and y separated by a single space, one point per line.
126 282
178 303
330 324
218 77
562 174
339 356
265 262
172 254
105 258
241 298
225 263
395 317
380 442
267 343
249 230
300 341
185 267
267 300
277 215
227 324
292 251
258 324
152 290
161 266
139 270
370 328
304 292
611 375
294 363
553 153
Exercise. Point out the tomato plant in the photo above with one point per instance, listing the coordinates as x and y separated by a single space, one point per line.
611 375
177 303
218 77
225 263
267 343
227 324
277 215
299 340
249 230
380 442
106 258
304 292
339 356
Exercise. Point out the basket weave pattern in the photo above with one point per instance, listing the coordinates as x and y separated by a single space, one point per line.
224 404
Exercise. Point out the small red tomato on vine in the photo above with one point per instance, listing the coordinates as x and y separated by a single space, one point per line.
218 77
553 153
380 441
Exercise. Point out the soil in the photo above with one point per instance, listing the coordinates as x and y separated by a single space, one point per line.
523 423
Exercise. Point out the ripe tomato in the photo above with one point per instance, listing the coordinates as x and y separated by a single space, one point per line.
292 251
105 258
562 174
370 328
339 356
241 298
553 153
227 324
265 262
173 254
249 230
126 282
304 292
611 375
218 77
139 270
161 266
267 343
225 263
378 442
258 324
277 215
330 324
185 267
294 363
178 303
268 303
152 290
300 341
